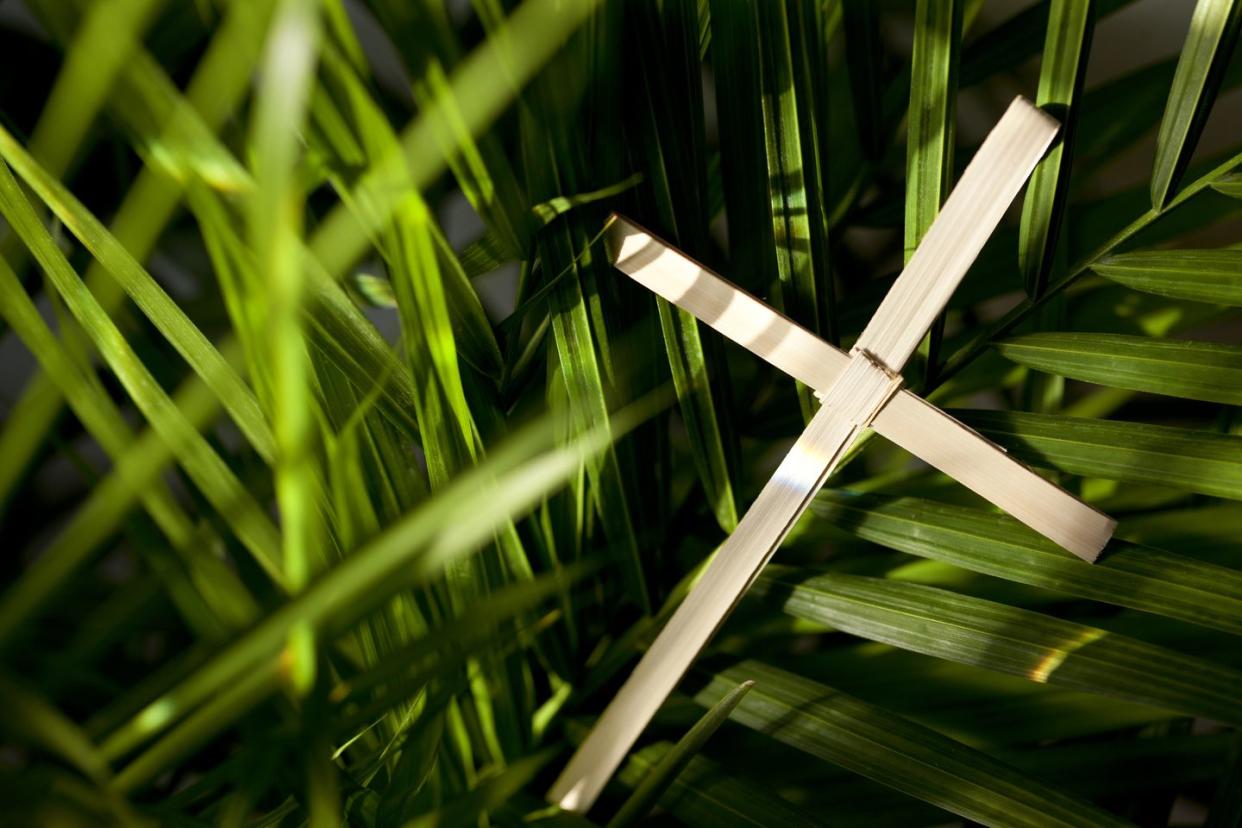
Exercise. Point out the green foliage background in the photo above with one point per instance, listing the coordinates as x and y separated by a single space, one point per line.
265 564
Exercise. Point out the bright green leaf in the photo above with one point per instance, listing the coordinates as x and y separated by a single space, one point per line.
1205 55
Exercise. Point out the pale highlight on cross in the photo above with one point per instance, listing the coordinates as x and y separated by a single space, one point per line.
858 390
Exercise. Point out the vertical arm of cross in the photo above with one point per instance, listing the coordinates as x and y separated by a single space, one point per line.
989 184
970 214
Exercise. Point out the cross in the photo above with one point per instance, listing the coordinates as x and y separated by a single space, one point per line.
858 390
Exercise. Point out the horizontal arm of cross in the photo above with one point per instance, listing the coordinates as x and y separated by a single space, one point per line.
917 426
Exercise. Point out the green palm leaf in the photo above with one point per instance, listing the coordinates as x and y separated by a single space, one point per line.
707 794
1200 275
1061 77
1196 370
1209 46
998 637
1198 461
885 747
200 460
1128 575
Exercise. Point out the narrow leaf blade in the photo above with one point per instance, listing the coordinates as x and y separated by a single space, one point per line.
1208 48
1006 639
1195 370
671 764
894 751
1128 575
1199 275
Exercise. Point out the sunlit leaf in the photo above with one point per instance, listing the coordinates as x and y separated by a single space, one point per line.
200 460
213 92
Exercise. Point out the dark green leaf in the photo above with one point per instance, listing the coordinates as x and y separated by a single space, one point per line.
672 79
1196 370
709 795
796 215
1197 461
1128 574
490 793
998 637
671 764
1227 804
864 61
894 751
933 111
29 719
1201 275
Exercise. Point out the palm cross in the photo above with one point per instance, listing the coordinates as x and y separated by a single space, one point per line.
858 390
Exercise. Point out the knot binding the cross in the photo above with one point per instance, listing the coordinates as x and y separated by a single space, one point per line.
863 389
857 390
